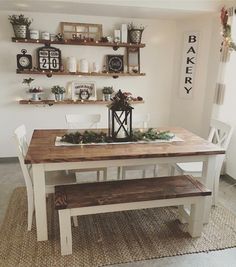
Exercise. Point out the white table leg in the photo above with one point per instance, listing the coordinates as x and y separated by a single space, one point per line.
208 180
40 202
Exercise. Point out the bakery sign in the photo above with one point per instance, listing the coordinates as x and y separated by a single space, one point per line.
189 61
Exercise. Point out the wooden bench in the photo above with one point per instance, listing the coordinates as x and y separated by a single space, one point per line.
112 196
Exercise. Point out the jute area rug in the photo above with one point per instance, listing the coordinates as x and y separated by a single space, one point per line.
106 239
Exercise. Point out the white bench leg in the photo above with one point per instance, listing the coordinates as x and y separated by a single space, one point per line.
75 221
196 218
105 174
65 232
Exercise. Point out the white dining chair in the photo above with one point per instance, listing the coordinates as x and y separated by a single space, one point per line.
139 120
220 133
51 178
86 121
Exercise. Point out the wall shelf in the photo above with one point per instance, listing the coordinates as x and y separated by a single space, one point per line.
115 46
101 74
71 102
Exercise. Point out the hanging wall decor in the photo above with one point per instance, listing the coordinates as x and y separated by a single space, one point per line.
115 63
49 58
189 61
84 32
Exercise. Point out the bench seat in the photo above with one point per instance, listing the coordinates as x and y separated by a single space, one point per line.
111 196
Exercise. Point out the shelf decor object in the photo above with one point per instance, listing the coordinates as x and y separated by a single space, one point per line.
120 118
20 25
115 63
81 31
49 58
24 61
135 33
83 91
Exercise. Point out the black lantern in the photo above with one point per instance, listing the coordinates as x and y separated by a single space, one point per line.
120 118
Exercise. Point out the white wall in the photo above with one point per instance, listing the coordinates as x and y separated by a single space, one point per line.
156 60
227 111
194 114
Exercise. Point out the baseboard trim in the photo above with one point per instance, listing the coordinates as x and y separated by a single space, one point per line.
9 160
227 178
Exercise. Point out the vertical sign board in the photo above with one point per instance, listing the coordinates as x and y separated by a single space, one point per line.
190 50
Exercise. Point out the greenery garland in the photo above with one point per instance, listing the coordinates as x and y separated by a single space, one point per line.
101 137
226 30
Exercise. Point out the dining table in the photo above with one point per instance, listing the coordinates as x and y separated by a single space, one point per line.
45 155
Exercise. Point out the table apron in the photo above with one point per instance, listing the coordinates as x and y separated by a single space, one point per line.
122 162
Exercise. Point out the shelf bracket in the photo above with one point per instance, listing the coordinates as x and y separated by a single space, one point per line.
115 48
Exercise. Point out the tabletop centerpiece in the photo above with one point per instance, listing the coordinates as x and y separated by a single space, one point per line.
120 118
119 127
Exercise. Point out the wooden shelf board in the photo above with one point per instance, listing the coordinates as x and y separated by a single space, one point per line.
71 102
72 42
107 74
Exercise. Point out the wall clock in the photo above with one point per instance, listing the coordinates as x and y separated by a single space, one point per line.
24 61
115 63
49 58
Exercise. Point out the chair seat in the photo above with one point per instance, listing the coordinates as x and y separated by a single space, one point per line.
190 167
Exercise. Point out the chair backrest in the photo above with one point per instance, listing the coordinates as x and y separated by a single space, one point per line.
140 120
83 121
220 133
22 147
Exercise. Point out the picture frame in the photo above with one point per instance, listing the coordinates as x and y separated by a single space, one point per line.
115 63
81 31
83 91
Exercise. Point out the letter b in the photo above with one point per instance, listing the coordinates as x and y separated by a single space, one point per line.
192 38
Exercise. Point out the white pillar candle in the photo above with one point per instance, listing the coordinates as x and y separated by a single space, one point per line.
71 64
84 65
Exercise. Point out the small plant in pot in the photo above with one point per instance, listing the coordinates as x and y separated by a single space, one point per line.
135 33
35 91
58 91
107 91
20 25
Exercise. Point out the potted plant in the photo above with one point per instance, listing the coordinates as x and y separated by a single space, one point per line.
135 33
20 25
58 91
107 91
35 91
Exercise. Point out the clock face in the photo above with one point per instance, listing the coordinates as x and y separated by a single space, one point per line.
24 61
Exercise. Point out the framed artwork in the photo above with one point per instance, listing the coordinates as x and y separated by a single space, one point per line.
81 31
83 91
49 58
115 63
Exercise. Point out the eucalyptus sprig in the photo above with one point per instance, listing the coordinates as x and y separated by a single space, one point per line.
226 30
102 137
85 138
151 135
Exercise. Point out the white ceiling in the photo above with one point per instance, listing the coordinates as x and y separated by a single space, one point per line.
152 9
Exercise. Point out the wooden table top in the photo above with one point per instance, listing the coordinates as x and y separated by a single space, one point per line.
42 148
